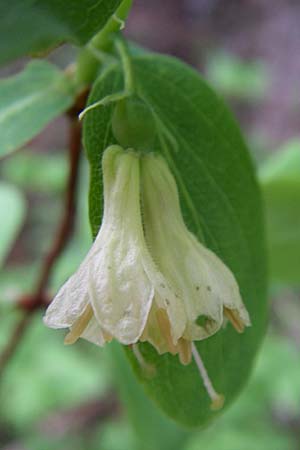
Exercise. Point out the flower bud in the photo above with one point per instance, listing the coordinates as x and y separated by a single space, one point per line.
133 124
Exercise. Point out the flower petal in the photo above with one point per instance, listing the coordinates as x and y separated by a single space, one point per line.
94 334
70 301
121 293
73 297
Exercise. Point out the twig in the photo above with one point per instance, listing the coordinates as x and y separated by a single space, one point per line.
38 299
67 224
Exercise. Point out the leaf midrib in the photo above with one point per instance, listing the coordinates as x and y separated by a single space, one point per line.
179 138
19 105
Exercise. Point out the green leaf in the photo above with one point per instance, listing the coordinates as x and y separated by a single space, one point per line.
280 181
221 203
31 26
29 101
12 211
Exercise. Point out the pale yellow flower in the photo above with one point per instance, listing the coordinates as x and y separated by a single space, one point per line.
146 277
204 289
110 294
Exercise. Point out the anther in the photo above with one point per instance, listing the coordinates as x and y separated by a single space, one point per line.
165 328
79 326
234 318
184 351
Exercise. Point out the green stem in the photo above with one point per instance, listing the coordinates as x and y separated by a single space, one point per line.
123 52
102 40
129 87
98 50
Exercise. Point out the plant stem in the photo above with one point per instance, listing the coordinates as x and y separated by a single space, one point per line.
122 49
102 40
129 86
93 56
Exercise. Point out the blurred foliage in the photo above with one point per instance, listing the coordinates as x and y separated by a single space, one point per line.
33 171
233 77
12 208
280 180
33 386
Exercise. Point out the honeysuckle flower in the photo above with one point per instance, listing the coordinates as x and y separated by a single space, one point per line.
204 289
146 277
110 294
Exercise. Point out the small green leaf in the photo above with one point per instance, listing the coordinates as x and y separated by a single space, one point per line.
29 101
12 211
221 204
280 179
31 26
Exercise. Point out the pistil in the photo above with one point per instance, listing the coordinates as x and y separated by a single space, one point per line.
217 399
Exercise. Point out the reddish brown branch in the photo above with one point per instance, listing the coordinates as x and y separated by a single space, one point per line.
38 299
67 224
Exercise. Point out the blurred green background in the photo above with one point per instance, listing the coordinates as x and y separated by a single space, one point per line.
57 397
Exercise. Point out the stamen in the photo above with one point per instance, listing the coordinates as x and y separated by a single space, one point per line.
233 316
217 399
185 351
149 369
164 325
79 326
